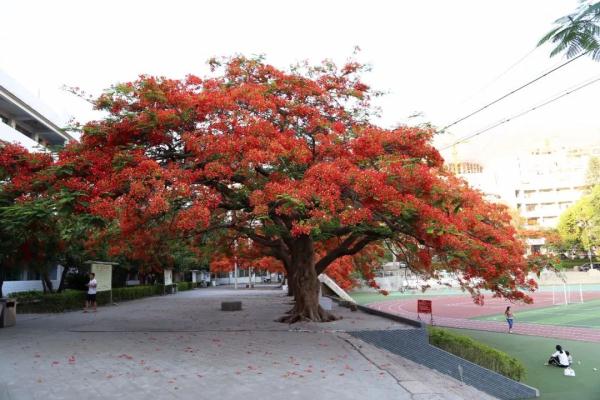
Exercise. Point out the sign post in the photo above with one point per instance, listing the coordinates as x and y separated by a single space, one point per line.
168 274
424 307
102 271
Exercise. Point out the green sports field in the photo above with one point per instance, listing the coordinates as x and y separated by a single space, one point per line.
580 315
534 351
372 297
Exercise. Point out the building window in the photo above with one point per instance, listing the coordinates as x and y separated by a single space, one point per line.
536 248
13 274
563 205
33 275
531 207
532 221
529 193
550 220
465 168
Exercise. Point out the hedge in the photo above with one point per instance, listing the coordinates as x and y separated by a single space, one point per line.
39 302
185 286
136 292
478 353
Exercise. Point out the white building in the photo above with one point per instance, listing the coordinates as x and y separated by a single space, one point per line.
26 280
25 120
479 176
540 184
550 181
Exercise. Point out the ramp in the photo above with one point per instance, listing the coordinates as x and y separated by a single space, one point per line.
330 283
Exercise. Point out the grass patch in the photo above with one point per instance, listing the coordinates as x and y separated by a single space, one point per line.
363 298
534 352
476 352
578 315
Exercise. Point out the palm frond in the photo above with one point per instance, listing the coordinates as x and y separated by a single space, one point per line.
576 33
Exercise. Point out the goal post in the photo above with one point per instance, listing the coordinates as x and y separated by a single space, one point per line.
567 294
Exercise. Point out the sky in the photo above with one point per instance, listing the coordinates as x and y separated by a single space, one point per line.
442 59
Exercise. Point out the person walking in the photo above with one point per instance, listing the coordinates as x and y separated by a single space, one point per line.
91 293
509 318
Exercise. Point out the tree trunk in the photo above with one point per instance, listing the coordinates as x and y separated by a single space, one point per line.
305 285
1 279
290 291
47 283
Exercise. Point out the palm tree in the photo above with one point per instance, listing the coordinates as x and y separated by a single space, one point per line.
577 33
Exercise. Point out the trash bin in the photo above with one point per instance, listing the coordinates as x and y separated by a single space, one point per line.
8 312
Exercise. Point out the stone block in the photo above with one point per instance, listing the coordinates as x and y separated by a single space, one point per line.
231 306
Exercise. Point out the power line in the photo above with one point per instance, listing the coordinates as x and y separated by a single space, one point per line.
494 80
503 121
513 91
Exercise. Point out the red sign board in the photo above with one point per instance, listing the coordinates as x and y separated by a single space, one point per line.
424 306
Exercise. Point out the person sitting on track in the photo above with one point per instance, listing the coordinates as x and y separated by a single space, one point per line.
559 358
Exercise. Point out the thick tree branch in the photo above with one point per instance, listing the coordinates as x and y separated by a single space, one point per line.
350 246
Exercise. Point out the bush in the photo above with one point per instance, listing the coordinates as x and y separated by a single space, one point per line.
38 302
185 286
478 353
49 302
30 295
136 292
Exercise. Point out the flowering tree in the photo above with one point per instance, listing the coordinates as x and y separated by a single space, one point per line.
288 163
38 229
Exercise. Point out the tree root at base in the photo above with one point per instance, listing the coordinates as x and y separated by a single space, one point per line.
295 315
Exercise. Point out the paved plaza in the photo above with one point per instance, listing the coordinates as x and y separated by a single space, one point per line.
183 347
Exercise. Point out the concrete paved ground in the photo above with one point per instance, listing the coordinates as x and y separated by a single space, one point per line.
183 347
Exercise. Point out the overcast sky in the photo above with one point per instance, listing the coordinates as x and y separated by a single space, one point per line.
435 57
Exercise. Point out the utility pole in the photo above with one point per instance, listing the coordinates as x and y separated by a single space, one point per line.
235 274
235 266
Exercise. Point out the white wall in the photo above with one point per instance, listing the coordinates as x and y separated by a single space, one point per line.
23 286
11 135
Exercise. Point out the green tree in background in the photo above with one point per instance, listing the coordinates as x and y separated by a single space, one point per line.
579 226
592 176
577 33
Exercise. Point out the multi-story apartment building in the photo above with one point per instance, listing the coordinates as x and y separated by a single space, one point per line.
25 120
540 184
550 181
479 177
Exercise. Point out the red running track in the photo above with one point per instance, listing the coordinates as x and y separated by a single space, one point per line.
453 311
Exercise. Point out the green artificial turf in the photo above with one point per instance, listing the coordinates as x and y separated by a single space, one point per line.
534 351
372 297
581 315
